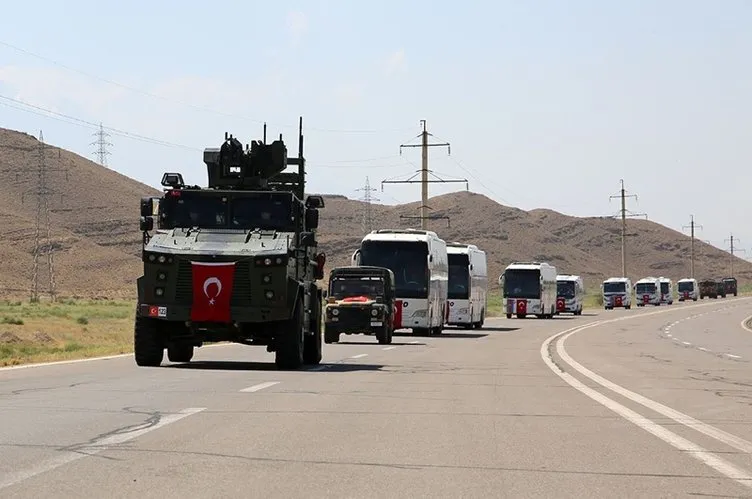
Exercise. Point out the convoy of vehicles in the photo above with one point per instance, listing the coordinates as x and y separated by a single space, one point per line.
712 288
529 288
617 293
648 291
688 289
360 301
419 261
234 261
468 285
570 294
667 290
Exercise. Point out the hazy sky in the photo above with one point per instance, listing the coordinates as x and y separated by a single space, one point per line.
545 103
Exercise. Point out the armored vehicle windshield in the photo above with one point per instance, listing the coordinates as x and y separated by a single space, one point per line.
237 210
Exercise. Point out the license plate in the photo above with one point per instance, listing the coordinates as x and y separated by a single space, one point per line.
377 323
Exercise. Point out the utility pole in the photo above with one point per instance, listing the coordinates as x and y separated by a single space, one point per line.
424 180
367 206
101 152
731 241
42 224
692 226
623 211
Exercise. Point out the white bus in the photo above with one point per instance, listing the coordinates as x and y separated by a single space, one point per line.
688 289
468 285
667 290
529 288
617 293
570 294
418 259
648 291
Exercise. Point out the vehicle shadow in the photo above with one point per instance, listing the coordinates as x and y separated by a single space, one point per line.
231 365
394 343
447 334
498 328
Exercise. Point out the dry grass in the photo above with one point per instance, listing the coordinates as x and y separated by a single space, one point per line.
68 330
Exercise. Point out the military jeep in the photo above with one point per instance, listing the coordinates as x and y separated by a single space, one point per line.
360 301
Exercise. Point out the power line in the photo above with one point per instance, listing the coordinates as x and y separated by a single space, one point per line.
424 181
367 200
623 212
692 226
731 240
187 104
101 152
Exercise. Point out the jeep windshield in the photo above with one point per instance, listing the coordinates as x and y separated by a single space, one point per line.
264 210
565 289
344 287
614 287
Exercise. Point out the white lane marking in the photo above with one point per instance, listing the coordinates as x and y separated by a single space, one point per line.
359 356
93 448
389 348
703 349
688 421
88 359
744 324
260 386
415 342
732 356
686 342
680 443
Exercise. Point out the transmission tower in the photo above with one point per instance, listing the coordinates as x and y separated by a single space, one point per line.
367 199
732 250
624 213
692 226
42 228
101 152
424 180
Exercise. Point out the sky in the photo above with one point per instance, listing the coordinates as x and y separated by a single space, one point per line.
546 104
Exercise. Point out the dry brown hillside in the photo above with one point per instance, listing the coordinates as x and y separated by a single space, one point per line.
97 242
585 246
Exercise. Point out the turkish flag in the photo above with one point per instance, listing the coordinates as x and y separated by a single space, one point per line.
212 291
397 314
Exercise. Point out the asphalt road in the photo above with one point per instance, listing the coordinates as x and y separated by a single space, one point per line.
643 403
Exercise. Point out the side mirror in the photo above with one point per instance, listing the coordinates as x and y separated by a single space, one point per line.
311 218
307 239
471 266
147 207
430 258
314 202
146 224
356 257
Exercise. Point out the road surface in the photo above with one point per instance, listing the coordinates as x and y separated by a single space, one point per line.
652 402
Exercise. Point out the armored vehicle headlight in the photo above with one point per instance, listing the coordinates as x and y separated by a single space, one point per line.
269 294
162 259
267 278
159 291
374 312
335 311
270 261
161 276
157 258
267 261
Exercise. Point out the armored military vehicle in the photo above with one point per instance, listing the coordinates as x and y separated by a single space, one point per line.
234 261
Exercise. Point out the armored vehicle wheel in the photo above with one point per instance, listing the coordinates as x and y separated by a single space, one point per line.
312 343
289 354
330 337
147 345
180 352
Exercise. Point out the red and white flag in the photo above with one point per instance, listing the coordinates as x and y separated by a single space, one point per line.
212 291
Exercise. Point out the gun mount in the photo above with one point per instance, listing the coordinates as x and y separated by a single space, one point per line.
258 167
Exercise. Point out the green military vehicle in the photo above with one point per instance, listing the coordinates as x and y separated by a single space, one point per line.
234 261
360 301
712 288
730 285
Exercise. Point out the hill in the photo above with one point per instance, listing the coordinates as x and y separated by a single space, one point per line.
94 215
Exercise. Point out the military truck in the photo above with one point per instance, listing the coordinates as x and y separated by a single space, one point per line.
729 284
712 289
360 301
233 261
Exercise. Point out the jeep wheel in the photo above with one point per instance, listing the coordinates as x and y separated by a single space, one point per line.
312 343
289 354
147 346
180 352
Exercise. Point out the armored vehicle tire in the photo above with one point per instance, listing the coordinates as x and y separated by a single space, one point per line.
147 345
312 343
180 352
289 353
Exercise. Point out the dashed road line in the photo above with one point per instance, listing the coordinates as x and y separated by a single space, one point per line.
359 356
732 355
389 348
686 342
415 342
260 386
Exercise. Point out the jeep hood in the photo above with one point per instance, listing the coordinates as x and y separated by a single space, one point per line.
215 241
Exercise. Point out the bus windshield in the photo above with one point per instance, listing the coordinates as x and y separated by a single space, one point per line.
407 259
459 277
260 210
685 286
614 287
664 288
645 288
520 283
565 289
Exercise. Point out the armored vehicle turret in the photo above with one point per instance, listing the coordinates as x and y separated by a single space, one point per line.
233 261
